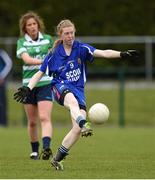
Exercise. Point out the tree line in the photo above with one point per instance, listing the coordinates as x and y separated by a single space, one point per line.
99 17
91 18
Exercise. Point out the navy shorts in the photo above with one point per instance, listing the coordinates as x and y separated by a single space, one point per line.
60 90
43 93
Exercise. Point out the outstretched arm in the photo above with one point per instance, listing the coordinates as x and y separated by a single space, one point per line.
116 54
107 53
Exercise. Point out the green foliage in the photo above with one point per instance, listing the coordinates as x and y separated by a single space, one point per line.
112 153
98 17
91 18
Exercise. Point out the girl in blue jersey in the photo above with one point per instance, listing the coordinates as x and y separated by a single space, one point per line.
67 64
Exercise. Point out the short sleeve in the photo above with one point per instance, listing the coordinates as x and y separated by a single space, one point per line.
20 48
87 52
45 68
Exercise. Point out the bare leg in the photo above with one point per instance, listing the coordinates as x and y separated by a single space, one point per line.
68 141
72 104
44 111
74 134
31 113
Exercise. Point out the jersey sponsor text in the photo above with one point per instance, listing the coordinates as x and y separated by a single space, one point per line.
73 75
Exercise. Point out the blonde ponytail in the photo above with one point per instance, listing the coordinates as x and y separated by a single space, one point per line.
56 43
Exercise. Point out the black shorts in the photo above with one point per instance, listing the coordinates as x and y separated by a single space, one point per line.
43 93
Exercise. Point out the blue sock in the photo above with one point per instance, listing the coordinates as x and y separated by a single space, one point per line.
46 142
81 121
35 146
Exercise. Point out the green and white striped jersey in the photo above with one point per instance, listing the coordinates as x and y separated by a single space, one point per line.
36 49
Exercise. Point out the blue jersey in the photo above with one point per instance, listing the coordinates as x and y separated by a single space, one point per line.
70 69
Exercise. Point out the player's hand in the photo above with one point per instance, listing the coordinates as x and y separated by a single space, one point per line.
132 54
21 94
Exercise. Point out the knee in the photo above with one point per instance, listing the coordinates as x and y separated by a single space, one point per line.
32 123
44 118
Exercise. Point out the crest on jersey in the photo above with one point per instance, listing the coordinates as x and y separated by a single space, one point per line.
37 49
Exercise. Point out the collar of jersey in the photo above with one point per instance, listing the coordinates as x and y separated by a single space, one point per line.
62 51
28 38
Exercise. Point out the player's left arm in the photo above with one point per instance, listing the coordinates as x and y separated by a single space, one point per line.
115 54
107 53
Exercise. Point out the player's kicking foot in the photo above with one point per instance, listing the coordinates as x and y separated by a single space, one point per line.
46 154
57 165
34 155
86 130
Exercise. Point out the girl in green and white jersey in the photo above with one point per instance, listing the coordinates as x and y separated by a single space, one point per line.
32 47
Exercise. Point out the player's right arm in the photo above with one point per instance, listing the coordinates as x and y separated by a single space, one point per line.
30 60
35 79
37 76
23 54
24 91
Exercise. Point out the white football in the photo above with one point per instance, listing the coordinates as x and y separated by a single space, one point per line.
98 113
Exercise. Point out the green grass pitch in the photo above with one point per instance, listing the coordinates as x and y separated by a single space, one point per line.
138 107
111 152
